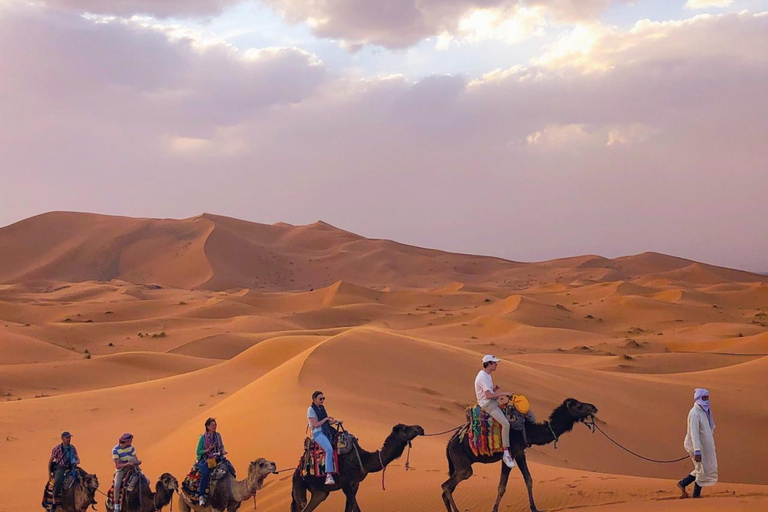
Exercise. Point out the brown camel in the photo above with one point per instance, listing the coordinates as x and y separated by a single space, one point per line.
350 474
461 457
81 495
142 499
227 494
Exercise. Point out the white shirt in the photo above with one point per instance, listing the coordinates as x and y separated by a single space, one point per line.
312 414
483 383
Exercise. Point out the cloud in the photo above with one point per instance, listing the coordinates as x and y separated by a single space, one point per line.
402 23
706 4
158 8
597 47
662 148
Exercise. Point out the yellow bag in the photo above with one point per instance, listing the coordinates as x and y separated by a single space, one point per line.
211 463
520 403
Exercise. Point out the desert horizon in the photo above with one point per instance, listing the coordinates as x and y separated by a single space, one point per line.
113 324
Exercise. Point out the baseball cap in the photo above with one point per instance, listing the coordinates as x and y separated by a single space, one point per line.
488 358
66 434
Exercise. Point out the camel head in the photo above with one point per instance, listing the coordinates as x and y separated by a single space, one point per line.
407 433
259 469
90 482
167 481
579 410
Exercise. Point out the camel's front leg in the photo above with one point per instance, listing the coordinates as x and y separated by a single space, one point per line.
502 485
350 491
523 465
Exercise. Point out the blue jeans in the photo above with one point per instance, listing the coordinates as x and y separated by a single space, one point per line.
325 444
205 476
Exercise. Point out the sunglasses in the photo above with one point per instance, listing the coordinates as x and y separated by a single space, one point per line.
321 399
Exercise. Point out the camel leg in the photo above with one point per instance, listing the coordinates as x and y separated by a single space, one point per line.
317 498
523 465
350 491
298 493
502 485
462 471
183 505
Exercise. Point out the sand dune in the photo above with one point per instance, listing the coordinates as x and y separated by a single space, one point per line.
213 316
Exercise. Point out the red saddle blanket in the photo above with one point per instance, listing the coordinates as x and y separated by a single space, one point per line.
313 461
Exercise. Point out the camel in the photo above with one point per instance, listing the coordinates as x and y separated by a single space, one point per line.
142 499
81 495
229 496
350 474
461 457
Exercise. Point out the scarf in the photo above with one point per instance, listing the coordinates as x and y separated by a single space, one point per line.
321 415
212 440
704 404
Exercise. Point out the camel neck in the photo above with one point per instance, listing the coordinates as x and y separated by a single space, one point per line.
551 430
373 462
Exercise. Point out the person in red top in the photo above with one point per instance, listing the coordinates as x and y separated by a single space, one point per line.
63 458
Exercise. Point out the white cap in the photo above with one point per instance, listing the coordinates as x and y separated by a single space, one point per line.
488 358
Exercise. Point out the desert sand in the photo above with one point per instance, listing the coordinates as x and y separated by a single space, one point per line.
111 324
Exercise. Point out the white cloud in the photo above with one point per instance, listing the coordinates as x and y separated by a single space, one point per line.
706 4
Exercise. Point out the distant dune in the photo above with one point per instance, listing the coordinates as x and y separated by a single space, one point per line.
216 253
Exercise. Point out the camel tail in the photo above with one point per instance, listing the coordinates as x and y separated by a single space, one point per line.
451 467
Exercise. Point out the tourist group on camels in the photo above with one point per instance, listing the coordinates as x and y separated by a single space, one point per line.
499 428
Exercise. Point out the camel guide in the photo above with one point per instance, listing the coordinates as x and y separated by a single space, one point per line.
488 399
700 444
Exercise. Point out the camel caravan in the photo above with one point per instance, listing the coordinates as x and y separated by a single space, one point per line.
499 428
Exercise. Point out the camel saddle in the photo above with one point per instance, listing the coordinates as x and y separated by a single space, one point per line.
71 478
313 460
484 432
129 483
191 484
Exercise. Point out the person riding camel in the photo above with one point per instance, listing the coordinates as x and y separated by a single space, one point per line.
210 451
124 457
488 399
63 459
322 433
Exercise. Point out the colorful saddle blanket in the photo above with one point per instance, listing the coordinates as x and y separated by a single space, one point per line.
313 461
48 498
484 432
191 483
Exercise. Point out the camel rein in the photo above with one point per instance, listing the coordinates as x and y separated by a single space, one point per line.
593 426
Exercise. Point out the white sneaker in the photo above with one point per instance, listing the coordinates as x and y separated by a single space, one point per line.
329 479
508 460
201 501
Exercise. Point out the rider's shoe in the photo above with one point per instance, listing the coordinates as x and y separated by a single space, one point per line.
329 479
508 460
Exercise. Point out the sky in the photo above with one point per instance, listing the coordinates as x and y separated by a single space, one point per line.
529 130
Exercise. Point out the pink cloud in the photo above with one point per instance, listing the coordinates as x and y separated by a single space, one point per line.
116 118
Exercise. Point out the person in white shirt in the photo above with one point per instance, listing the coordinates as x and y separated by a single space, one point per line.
488 399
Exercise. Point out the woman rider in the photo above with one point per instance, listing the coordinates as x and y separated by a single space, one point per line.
322 433
209 446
